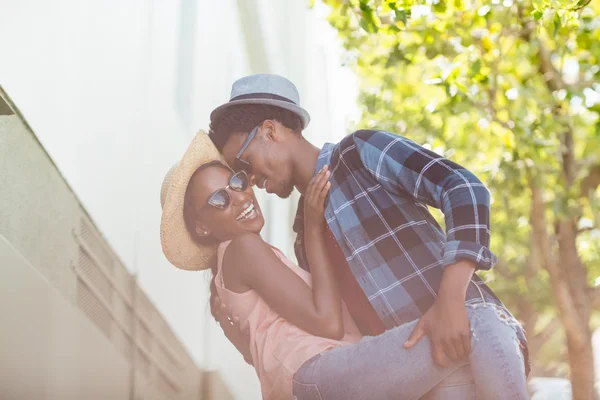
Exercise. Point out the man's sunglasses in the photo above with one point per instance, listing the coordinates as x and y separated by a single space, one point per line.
242 165
221 199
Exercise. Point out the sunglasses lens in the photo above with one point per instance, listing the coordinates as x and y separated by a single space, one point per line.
239 181
220 199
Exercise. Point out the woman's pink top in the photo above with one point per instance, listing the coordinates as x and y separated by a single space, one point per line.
278 348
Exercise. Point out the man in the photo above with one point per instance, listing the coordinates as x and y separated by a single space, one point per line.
394 262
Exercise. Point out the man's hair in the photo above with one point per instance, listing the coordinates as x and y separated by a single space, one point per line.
245 117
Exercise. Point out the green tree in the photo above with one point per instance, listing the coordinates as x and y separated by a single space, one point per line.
510 89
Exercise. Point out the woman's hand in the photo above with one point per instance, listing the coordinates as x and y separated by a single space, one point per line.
314 200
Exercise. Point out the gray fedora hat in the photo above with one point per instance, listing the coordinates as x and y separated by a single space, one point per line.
269 89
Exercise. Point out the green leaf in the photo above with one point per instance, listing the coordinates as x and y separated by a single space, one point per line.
400 15
557 23
580 4
476 67
585 42
396 56
368 25
364 6
509 140
440 7
515 154
537 14
461 87
369 21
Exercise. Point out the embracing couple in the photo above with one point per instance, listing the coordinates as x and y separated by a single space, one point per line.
384 304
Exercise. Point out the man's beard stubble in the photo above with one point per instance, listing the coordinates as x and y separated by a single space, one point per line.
285 190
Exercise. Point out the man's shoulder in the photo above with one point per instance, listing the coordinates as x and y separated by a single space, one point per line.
358 135
367 140
374 137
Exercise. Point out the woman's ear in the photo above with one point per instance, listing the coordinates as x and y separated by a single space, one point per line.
202 231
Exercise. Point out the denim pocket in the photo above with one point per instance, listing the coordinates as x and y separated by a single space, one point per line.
303 381
305 391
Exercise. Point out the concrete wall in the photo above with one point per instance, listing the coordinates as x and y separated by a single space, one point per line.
49 349
75 323
114 92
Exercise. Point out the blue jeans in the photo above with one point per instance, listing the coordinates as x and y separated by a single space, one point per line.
380 368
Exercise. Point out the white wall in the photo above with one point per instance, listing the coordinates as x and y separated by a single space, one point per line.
115 91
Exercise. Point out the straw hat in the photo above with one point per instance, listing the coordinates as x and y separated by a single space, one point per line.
177 244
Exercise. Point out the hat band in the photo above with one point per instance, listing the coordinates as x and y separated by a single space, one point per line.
261 96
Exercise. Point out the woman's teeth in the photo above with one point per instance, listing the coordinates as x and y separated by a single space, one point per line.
248 213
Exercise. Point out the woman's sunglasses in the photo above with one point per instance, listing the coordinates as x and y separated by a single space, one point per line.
221 199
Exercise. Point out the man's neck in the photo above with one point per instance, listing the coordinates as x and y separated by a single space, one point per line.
305 163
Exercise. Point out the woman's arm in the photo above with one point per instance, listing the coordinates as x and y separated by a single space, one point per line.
325 287
253 262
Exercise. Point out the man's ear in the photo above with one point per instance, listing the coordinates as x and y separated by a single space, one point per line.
269 130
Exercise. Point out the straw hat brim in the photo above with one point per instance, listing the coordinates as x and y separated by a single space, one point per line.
177 244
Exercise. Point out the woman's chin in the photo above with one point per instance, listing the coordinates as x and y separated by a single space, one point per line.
256 225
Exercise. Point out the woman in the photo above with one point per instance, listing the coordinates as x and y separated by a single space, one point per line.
303 342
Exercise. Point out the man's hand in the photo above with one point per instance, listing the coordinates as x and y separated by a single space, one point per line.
446 323
231 328
447 327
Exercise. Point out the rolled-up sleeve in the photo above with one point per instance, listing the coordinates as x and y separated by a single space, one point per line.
402 166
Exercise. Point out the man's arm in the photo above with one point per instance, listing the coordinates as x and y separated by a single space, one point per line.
405 168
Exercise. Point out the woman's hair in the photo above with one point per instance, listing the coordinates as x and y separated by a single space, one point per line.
244 117
189 217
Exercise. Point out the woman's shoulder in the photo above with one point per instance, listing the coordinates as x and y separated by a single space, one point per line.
242 254
241 243
243 246
232 261
248 249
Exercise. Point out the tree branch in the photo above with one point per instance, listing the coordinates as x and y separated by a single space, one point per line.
565 303
591 181
595 297
553 78
502 269
538 340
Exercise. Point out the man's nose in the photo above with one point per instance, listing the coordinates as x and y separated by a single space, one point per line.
252 180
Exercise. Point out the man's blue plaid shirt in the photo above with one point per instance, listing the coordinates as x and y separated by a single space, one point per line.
381 185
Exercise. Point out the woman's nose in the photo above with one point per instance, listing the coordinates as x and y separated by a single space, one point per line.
239 198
